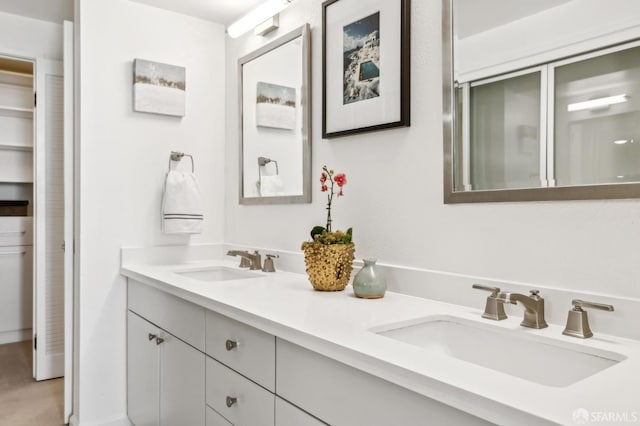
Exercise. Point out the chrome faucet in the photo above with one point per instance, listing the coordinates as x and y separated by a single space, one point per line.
533 307
252 261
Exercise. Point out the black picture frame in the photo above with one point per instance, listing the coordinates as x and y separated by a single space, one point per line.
389 104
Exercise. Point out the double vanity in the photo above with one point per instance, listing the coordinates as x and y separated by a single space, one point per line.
211 343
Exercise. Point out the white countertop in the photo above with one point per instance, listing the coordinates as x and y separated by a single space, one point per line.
337 325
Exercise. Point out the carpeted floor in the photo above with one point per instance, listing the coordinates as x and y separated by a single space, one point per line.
23 401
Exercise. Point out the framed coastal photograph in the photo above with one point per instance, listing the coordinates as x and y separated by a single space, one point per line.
275 106
365 63
158 88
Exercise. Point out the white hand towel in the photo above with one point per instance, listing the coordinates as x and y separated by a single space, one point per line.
181 204
271 185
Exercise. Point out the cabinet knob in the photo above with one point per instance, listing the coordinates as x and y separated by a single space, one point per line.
159 340
231 344
152 336
231 401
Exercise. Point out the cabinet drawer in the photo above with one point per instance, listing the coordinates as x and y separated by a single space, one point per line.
215 419
253 406
179 317
16 231
249 351
342 395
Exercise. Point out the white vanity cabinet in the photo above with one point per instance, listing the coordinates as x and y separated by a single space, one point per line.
191 366
165 372
342 395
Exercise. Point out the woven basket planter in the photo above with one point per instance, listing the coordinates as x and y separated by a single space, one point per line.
329 267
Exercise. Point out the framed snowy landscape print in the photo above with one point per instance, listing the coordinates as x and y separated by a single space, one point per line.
365 64
275 106
158 88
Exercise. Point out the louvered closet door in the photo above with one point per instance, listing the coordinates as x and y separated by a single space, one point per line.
49 221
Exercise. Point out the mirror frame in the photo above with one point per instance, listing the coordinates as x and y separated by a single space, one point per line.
577 192
304 33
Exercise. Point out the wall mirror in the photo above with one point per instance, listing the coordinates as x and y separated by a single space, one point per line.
541 100
275 127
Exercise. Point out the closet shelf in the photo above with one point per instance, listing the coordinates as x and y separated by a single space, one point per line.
14 147
14 180
10 111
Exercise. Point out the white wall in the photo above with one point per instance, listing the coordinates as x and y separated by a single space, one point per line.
123 160
29 38
394 195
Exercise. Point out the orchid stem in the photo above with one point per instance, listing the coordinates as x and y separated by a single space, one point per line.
329 199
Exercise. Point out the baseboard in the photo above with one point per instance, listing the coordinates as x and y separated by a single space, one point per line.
15 336
73 421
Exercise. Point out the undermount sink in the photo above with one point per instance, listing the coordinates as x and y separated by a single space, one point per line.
218 273
514 352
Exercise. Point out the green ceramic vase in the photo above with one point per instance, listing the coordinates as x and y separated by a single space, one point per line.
368 282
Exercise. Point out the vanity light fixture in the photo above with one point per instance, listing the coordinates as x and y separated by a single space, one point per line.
257 16
597 103
620 141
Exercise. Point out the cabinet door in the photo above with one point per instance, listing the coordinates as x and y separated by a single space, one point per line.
290 415
182 379
142 371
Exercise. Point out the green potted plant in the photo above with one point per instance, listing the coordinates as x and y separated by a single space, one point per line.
329 255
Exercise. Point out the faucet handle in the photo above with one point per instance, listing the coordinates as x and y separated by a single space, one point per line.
493 309
494 290
244 262
535 294
579 304
578 321
268 263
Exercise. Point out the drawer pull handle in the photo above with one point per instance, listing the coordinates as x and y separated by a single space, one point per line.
12 232
159 340
231 344
231 401
152 336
